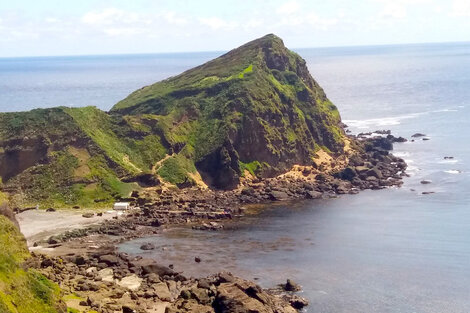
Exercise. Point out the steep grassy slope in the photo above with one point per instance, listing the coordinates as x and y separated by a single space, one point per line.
22 291
256 107
63 157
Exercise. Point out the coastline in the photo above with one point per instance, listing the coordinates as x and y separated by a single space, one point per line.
81 259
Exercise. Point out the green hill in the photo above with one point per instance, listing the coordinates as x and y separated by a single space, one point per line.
255 108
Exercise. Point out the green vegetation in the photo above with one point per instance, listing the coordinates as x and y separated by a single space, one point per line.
254 108
22 291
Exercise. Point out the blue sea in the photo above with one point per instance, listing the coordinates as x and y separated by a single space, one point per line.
395 250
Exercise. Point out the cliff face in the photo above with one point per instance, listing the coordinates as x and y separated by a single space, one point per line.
255 108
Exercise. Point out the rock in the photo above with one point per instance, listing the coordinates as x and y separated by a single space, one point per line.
46 263
278 195
348 173
197 259
426 138
375 172
50 210
128 309
160 270
153 278
106 274
109 259
417 135
162 291
427 192
425 182
448 157
79 260
291 286
88 215
225 277
298 302
132 282
313 194
147 246
53 240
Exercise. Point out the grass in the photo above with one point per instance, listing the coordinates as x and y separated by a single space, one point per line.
22 291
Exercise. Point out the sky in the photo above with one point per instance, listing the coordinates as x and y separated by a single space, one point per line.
84 27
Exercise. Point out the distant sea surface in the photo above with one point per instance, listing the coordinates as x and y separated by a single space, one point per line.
395 250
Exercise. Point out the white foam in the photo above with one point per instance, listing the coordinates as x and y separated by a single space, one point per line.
401 154
384 121
449 161
453 172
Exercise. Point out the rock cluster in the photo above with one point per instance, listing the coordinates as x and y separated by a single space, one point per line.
112 282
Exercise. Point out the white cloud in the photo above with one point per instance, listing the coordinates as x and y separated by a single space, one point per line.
461 8
321 23
110 16
398 9
172 18
218 23
288 8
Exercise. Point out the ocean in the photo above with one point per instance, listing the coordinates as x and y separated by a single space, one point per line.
393 250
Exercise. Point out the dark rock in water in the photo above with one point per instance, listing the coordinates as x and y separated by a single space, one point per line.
427 192
426 138
147 246
297 302
197 259
76 207
382 143
160 270
383 132
99 214
417 135
313 194
88 215
278 195
50 210
396 139
291 286
448 157
425 182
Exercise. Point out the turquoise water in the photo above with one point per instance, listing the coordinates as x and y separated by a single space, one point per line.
393 250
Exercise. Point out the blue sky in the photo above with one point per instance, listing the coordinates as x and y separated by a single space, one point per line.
76 27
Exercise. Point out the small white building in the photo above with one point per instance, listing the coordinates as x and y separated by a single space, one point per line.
122 206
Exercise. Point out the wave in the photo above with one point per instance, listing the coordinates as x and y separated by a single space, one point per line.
453 172
391 121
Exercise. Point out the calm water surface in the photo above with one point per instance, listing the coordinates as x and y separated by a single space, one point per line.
393 250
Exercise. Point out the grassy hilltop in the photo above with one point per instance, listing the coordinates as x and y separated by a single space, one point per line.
255 108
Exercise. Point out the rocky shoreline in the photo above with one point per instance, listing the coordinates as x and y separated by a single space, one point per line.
85 262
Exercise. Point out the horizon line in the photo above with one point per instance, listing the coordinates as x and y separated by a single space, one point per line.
223 51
